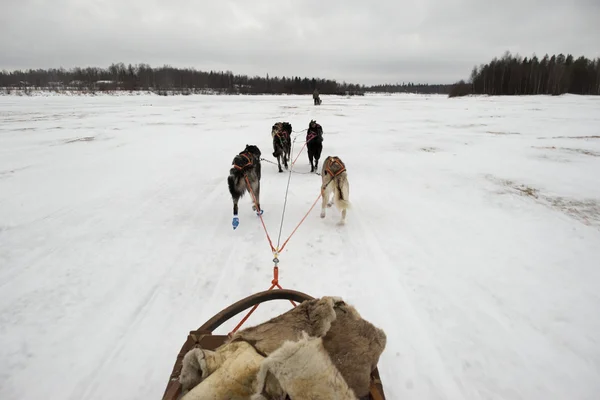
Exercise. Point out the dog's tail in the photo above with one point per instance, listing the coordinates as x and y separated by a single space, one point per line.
278 151
342 193
232 181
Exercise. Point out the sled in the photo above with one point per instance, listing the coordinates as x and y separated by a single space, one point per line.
203 337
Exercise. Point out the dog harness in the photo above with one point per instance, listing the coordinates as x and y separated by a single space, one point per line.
328 171
282 135
312 133
248 164
330 163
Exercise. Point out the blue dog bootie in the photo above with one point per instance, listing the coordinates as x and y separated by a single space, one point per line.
260 212
235 222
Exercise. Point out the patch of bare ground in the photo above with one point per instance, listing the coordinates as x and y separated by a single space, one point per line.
545 156
571 137
571 150
586 211
460 126
82 139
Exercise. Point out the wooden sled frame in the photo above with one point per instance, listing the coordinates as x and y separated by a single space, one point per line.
203 337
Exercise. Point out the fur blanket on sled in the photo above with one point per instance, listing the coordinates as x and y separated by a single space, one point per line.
322 349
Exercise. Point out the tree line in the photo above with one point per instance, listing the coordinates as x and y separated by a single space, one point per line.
166 78
143 77
514 75
411 88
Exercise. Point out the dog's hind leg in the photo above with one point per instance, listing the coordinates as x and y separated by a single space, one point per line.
324 206
310 159
326 194
317 156
256 190
235 196
277 151
236 220
286 154
235 206
342 198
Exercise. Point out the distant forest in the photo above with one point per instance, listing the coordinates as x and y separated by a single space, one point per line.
514 75
185 80
509 75
410 88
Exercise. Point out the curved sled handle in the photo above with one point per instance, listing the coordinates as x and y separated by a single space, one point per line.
250 301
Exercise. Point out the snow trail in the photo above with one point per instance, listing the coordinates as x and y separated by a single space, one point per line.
472 239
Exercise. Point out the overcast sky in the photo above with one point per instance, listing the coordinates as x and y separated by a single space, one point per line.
360 41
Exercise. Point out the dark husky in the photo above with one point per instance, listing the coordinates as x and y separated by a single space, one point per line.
245 171
314 144
282 143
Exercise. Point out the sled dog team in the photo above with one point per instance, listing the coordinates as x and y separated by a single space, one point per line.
245 172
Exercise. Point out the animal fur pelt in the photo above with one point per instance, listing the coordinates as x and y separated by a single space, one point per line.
314 144
303 370
334 179
227 373
282 143
245 164
343 347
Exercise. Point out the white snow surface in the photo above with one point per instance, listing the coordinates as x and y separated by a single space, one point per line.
473 241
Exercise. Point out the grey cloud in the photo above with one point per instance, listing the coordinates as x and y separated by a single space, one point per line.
357 41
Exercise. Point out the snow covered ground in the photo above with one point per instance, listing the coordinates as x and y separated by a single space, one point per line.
474 238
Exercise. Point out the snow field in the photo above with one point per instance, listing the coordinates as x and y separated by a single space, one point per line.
473 238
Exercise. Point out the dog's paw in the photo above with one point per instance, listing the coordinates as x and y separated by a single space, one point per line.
322 214
235 223
330 204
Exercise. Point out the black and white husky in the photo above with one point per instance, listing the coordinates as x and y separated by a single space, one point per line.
335 180
244 175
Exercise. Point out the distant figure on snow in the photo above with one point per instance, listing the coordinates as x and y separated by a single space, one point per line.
316 98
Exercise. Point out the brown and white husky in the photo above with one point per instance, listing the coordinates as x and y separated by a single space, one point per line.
334 179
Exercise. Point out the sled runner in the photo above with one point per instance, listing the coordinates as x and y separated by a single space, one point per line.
204 338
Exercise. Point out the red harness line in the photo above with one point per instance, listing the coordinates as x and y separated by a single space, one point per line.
275 281
311 136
